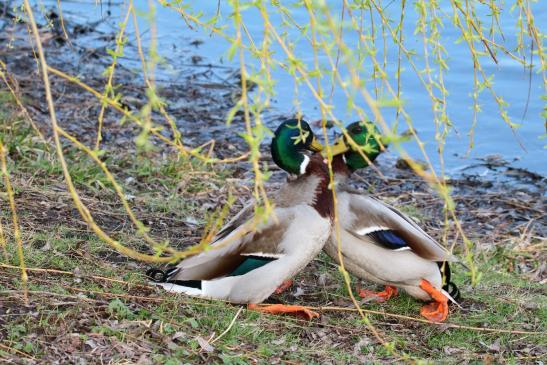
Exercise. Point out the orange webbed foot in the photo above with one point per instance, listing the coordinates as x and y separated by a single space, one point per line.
436 311
297 310
380 297
284 286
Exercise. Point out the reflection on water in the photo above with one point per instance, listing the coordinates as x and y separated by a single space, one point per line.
492 135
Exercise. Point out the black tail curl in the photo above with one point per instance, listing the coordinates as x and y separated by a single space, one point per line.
158 275
448 285
161 276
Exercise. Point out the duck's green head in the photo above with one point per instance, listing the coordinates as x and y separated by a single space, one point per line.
367 136
292 138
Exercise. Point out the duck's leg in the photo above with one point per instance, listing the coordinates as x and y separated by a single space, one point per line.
436 311
297 310
284 286
388 292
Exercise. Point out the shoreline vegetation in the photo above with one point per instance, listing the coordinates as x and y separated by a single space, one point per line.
87 303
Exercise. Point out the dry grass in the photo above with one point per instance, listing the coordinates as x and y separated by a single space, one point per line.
99 303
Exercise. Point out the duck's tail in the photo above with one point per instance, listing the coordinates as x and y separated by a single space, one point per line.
163 278
448 285
160 276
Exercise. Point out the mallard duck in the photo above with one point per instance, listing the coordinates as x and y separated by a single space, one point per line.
380 243
250 258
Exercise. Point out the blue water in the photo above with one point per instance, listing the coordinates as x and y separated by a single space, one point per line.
492 135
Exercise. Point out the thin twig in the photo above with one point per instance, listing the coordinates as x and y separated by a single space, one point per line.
11 349
229 326
443 324
98 278
15 221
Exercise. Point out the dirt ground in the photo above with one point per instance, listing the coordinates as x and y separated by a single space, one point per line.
88 304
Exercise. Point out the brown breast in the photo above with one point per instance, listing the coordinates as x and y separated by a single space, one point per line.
323 201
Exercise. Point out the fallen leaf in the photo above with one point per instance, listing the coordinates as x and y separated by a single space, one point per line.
322 279
279 342
359 345
177 335
204 344
495 347
143 360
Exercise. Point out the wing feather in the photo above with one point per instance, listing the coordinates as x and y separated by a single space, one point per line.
369 213
227 253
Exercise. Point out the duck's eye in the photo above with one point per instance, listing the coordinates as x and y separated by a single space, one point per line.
357 130
305 129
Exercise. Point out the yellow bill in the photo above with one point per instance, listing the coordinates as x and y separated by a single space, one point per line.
339 147
315 145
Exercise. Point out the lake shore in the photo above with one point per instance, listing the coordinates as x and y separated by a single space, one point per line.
502 210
